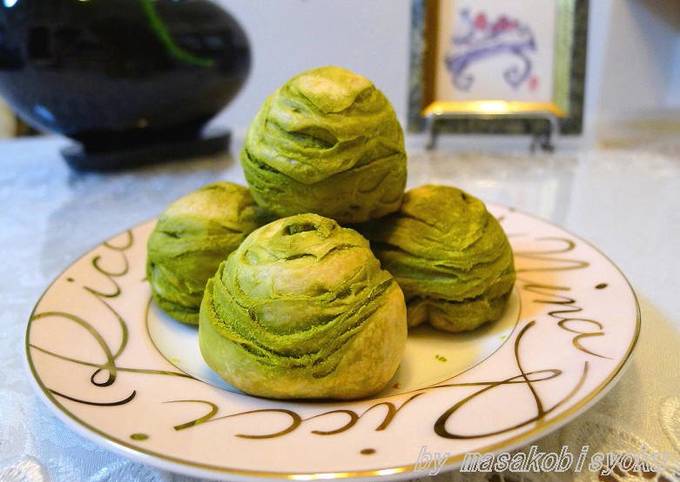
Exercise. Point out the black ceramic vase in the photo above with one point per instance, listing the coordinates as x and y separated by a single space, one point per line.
133 81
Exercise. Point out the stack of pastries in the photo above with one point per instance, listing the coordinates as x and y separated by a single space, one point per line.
290 301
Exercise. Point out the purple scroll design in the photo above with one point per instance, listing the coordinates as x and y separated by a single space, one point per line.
482 39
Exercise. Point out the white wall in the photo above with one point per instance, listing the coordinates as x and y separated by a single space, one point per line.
370 37
633 53
630 58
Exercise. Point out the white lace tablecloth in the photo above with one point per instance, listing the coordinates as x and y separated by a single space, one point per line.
624 199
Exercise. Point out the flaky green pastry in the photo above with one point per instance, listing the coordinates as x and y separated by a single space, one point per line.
190 240
302 309
328 142
449 255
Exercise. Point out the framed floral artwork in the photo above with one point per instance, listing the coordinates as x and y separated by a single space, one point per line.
492 65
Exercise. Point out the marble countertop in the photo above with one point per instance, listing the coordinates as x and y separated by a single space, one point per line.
625 199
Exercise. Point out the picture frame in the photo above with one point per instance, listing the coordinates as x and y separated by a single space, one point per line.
8 121
495 47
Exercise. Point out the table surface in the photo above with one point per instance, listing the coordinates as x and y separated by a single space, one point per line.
624 198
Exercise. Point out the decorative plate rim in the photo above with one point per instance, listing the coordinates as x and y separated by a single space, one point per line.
191 468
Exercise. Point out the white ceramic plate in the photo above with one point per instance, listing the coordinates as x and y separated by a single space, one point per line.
118 371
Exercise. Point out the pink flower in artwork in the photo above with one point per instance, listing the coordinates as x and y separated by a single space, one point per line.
480 21
533 83
502 24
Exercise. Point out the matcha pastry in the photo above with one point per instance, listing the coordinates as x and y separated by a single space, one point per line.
449 255
327 142
302 309
191 238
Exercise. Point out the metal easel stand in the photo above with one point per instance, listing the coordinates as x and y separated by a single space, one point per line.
542 140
